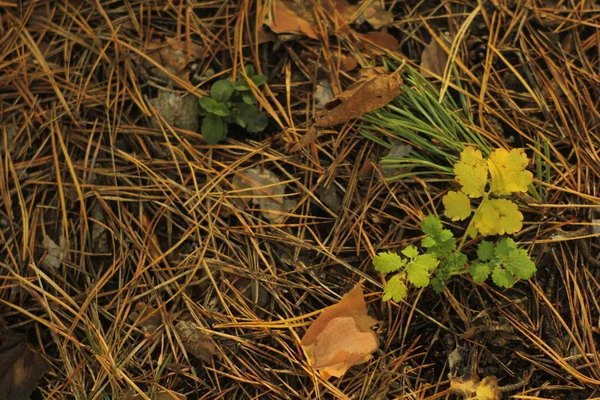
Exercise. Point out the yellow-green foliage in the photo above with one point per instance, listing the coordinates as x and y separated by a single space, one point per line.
441 258
508 176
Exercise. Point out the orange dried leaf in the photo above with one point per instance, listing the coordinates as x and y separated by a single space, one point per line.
381 39
373 90
293 17
341 336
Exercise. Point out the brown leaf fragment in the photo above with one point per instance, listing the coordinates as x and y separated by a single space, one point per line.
381 39
55 252
376 15
20 367
148 317
293 17
195 341
373 90
174 55
177 109
266 190
434 59
341 336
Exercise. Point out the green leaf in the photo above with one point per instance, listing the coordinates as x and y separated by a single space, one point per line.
503 248
431 225
221 110
410 252
439 241
485 250
395 289
418 271
387 262
480 271
258 79
258 123
428 241
207 103
213 129
241 122
250 71
241 86
455 262
519 264
503 278
438 285
221 90
248 98
246 111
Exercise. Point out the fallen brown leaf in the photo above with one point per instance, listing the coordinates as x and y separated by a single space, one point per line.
177 109
376 15
298 17
195 341
433 59
148 317
174 55
373 90
20 367
381 39
293 17
341 336
266 190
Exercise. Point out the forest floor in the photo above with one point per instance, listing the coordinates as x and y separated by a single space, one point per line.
138 261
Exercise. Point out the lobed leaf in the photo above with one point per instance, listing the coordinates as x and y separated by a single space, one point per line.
457 206
387 262
471 172
497 217
485 250
508 173
395 289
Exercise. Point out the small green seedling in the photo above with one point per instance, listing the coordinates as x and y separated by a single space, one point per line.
442 257
232 103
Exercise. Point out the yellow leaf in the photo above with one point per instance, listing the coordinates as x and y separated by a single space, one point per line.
508 171
488 389
471 172
497 217
457 206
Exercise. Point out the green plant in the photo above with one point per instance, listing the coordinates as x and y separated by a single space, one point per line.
442 257
232 103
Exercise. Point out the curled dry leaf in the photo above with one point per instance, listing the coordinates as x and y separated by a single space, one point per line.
195 341
487 389
266 190
373 90
341 336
